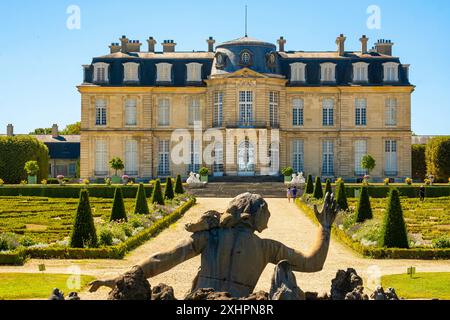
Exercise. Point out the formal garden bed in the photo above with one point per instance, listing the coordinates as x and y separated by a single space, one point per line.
427 224
42 227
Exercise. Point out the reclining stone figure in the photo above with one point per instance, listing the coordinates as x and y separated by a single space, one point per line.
232 255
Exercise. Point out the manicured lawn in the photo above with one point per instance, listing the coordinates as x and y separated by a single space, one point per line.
19 286
421 286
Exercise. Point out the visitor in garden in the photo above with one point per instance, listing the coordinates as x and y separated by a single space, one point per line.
294 193
422 193
288 194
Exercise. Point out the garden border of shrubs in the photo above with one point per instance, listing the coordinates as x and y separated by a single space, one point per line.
379 253
113 252
404 191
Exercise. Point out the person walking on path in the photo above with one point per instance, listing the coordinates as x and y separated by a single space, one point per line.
422 193
288 194
294 193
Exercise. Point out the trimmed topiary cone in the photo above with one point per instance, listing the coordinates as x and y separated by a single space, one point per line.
364 211
168 192
318 192
328 188
83 232
118 212
179 185
309 185
141 205
393 231
341 196
157 196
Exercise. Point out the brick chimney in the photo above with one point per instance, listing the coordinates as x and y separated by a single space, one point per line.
384 46
115 47
124 44
55 132
169 46
211 42
364 41
10 130
151 44
281 42
340 41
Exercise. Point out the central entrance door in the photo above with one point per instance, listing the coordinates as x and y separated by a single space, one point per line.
246 159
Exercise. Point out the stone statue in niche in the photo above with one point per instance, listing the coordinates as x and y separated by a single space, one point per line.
233 256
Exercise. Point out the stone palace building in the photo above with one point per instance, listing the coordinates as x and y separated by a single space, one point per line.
328 109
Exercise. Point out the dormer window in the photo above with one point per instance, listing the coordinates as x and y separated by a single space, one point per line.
163 72
130 72
328 72
194 72
390 71
101 72
360 72
298 72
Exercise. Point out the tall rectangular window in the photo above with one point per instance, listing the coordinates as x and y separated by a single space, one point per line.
194 111
360 152
218 158
163 158
130 72
298 156
194 72
164 112
360 112
327 158
163 72
130 112
246 108
390 157
101 158
274 98
194 165
131 157
298 72
328 112
100 112
297 112
390 71
218 109
101 72
391 112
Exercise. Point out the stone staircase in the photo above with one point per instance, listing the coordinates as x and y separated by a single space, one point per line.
233 189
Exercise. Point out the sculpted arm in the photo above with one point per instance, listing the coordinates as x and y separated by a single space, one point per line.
315 259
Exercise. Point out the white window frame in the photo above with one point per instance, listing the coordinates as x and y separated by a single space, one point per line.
328 112
130 112
163 72
298 155
360 112
218 158
131 72
194 161
131 157
391 112
194 112
274 99
101 72
390 71
298 107
327 158
194 72
101 112
163 157
391 157
298 73
218 109
246 107
360 150
164 112
101 157
328 72
360 72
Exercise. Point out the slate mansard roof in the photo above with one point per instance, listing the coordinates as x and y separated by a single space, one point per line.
259 50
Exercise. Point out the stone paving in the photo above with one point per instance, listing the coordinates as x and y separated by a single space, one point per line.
287 224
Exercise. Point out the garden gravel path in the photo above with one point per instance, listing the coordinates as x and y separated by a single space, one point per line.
287 224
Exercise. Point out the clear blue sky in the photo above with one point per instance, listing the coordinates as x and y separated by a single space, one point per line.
40 58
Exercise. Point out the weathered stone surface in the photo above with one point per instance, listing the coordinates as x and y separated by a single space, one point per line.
56 295
257 296
380 294
131 286
73 296
344 282
163 292
357 294
208 221
208 294
284 284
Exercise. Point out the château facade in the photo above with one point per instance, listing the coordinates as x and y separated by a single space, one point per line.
328 109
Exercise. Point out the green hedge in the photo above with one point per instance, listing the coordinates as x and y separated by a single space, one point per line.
69 191
380 253
15 152
418 162
404 191
437 155
113 252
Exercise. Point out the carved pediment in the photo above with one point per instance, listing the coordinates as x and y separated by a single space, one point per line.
246 73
